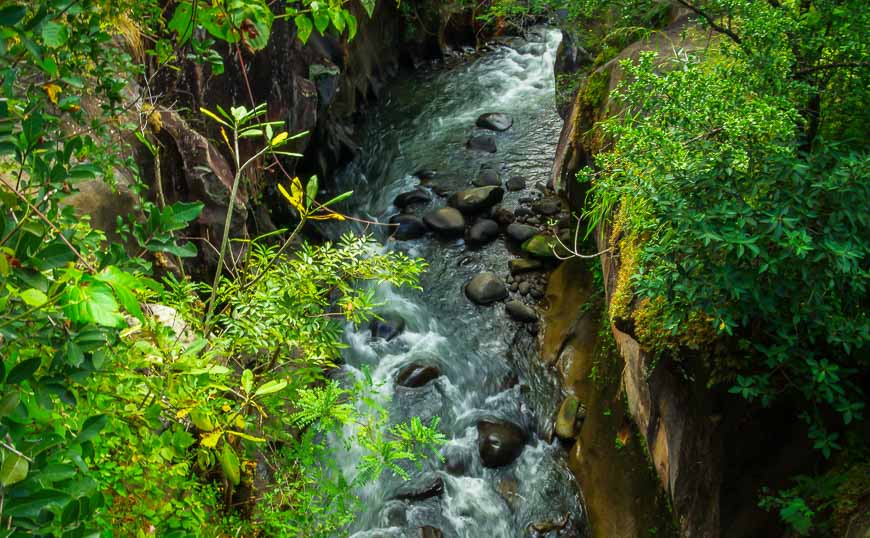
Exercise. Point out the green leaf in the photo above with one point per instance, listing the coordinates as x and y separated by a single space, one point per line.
12 14
93 302
32 505
303 28
340 198
124 285
34 297
201 420
54 34
247 381
13 470
369 6
23 370
335 15
311 191
230 464
91 428
321 20
182 22
351 24
270 386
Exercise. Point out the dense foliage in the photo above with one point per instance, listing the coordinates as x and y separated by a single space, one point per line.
737 182
138 402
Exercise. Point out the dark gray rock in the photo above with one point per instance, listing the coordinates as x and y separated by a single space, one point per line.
524 288
482 232
523 212
499 442
394 514
476 200
520 232
387 328
416 490
502 215
515 183
486 288
547 206
484 143
416 196
495 121
409 227
488 177
519 311
446 221
416 375
456 460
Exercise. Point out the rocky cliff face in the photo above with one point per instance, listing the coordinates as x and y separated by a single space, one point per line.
710 452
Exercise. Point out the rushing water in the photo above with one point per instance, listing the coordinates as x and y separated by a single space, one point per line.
423 124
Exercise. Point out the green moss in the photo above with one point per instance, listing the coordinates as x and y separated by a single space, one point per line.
594 91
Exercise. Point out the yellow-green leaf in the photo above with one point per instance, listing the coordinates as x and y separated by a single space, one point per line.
210 440
230 464
201 420
13 470
34 297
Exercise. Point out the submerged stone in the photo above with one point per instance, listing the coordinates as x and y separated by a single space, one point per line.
484 143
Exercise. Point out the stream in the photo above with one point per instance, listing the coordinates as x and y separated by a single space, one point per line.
488 364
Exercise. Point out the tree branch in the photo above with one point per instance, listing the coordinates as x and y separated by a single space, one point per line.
712 22
835 65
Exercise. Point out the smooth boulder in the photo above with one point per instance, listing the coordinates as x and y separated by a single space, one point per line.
416 196
521 232
428 487
502 215
547 206
387 328
488 177
495 121
476 200
416 375
543 246
486 288
408 227
520 311
499 442
485 143
566 417
515 184
446 221
482 232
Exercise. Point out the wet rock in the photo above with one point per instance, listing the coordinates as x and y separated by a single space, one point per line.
425 175
547 206
416 196
456 460
387 328
549 525
521 232
523 212
541 246
484 143
541 187
446 221
519 311
486 288
514 286
524 288
394 514
524 265
516 183
476 200
566 418
495 121
409 227
441 190
417 375
499 442
482 232
508 489
488 178
537 294
430 532
426 488
502 215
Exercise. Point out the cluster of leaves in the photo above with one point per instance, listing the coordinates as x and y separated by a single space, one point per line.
128 405
739 177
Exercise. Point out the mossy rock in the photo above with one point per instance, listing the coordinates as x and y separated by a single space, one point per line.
544 246
566 418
